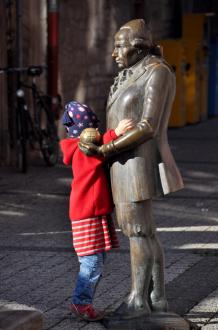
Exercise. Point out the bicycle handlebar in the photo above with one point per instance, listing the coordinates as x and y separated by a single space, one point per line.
32 70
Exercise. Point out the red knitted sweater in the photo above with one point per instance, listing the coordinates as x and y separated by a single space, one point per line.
90 194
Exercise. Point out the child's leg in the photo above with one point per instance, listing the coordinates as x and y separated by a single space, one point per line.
89 274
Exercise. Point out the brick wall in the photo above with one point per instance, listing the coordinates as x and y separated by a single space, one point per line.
33 40
87 29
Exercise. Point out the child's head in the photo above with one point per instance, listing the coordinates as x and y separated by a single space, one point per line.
77 117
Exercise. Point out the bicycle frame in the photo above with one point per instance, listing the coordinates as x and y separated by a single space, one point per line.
29 126
36 98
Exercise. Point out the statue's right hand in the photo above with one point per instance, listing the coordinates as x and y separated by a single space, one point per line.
88 149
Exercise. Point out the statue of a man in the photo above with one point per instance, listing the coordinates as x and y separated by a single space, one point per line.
142 165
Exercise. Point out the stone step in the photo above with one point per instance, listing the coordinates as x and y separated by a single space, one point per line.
14 316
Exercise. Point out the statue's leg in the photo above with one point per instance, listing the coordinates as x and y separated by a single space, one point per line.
141 268
158 298
135 222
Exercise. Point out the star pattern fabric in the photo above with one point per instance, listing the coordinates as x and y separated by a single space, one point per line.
78 116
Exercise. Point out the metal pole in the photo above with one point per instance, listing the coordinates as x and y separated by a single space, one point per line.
19 55
53 36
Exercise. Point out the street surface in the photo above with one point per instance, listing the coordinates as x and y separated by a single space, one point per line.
39 266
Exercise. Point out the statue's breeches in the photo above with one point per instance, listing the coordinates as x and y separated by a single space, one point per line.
136 219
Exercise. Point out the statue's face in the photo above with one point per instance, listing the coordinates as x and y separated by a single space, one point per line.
124 53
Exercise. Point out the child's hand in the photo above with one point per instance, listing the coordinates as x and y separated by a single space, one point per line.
123 126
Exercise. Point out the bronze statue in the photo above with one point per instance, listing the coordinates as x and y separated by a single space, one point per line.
142 165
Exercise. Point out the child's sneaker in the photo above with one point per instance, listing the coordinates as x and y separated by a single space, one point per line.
86 312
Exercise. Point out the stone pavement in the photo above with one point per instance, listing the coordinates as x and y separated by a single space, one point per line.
38 265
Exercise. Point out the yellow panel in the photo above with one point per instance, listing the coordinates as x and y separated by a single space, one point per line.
203 77
174 54
190 105
192 83
196 77
193 26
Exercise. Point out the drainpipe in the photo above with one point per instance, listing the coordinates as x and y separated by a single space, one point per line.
19 38
53 36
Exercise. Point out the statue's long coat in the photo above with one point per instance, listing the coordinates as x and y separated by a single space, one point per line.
148 170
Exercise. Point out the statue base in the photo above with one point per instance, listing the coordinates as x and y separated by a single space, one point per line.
156 321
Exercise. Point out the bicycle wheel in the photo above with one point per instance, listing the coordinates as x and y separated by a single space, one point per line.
21 137
48 133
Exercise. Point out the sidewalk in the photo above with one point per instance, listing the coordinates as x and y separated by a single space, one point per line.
38 265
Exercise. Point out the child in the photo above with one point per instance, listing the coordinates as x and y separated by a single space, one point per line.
90 206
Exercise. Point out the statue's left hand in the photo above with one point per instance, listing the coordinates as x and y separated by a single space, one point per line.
89 149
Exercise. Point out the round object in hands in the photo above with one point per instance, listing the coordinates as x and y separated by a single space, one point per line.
90 135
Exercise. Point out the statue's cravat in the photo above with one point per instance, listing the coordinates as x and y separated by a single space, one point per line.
119 80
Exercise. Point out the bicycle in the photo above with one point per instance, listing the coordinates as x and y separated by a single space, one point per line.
37 130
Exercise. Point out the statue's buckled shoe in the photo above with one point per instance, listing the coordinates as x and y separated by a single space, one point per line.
125 311
160 305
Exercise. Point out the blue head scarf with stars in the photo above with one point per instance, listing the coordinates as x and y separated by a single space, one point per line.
77 117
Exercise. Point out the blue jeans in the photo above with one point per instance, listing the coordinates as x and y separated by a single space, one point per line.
89 274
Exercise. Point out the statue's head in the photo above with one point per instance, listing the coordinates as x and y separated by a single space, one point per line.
131 43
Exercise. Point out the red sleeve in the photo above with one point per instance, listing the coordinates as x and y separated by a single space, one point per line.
68 147
109 136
